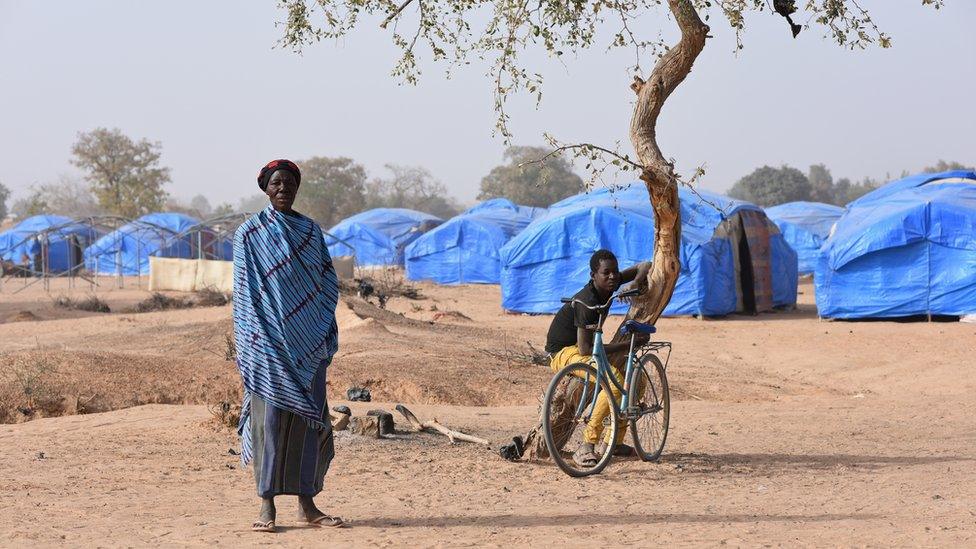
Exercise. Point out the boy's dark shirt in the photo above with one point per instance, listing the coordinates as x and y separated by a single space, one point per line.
562 331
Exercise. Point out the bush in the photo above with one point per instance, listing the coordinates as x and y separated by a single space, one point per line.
212 297
160 302
91 304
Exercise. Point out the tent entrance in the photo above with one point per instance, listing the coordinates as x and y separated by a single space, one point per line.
749 234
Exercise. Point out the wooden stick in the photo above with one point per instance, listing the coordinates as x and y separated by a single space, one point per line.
453 435
434 425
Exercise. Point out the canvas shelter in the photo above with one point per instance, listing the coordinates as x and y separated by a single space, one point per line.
913 181
465 249
911 252
126 250
805 226
378 236
733 258
50 244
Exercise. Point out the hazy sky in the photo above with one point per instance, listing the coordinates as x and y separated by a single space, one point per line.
204 79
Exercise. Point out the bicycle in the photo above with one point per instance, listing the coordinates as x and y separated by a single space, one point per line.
645 402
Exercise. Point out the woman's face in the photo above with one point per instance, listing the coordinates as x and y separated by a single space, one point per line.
282 190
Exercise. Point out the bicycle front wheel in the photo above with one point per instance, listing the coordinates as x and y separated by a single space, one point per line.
649 407
566 412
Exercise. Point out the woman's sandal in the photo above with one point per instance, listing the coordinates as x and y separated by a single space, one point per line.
264 526
326 521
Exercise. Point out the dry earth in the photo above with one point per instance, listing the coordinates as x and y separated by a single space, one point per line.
785 430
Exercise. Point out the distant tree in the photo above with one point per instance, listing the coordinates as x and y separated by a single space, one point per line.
125 175
4 195
68 197
254 203
769 186
943 166
222 209
845 191
201 205
332 189
411 187
821 184
533 184
32 204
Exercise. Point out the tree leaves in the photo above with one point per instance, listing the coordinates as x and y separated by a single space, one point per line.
125 175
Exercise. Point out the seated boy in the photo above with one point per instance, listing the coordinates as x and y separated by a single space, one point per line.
570 340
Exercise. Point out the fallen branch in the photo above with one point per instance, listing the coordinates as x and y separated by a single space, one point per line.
512 356
433 424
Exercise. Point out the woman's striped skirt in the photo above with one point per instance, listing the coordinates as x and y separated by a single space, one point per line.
290 458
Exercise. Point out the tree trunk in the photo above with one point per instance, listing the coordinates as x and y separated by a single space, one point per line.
658 174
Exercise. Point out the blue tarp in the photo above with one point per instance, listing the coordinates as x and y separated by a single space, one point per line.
550 258
378 236
128 248
912 182
805 226
909 253
23 240
465 249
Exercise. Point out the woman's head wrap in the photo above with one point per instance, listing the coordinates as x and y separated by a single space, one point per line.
271 167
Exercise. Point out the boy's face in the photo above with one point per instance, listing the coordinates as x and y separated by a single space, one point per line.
607 277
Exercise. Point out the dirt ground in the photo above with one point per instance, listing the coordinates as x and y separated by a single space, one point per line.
785 430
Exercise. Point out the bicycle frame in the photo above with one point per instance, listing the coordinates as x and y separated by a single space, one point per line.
603 371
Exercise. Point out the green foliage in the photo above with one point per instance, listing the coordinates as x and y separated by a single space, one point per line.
4 195
845 191
332 189
125 175
68 197
458 31
411 187
769 186
32 204
524 180
821 184
943 166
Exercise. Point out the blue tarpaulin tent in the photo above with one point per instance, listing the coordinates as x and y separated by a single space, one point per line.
464 250
908 253
127 249
62 240
720 272
805 226
913 181
378 236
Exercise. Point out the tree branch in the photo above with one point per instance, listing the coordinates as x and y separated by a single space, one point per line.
395 13
585 146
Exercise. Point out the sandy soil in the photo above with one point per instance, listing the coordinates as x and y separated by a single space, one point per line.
785 430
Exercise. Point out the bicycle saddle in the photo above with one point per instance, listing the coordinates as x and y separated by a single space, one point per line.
632 326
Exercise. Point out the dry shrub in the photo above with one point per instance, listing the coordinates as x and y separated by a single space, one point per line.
381 284
91 304
57 382
225 414
29 390
212 297
230 348
160 302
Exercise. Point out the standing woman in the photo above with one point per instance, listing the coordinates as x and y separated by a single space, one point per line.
285 295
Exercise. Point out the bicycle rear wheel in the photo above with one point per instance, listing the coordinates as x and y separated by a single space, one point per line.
565 414
649 407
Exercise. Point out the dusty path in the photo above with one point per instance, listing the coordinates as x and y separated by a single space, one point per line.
785 430
826 472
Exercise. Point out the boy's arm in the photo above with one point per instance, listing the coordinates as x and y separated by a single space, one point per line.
636 272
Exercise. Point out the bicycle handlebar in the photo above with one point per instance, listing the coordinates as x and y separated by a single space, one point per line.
626 293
